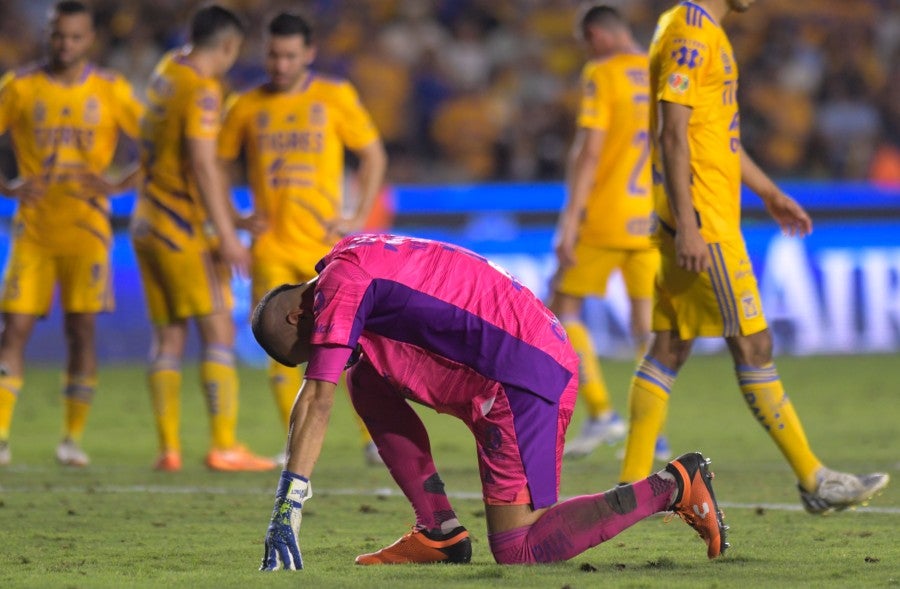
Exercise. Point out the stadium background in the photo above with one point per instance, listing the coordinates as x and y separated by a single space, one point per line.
476 101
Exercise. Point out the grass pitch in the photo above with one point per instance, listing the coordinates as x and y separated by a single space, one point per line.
119 524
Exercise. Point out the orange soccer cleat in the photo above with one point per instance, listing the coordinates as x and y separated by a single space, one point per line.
168 461
695 502
423 547
238 459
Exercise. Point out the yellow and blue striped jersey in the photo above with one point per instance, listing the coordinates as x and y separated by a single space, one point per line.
182 105
692 63
61 133
294 147
615 99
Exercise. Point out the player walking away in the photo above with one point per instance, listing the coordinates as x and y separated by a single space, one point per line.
293 130
185 238
605 225
706 286
64 116
432 323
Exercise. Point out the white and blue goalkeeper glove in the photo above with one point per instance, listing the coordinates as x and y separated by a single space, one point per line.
282 547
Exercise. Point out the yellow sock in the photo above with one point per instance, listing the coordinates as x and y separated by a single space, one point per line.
164 380
285 383
648 401
766 398
219 379
9 394
79 394
590 379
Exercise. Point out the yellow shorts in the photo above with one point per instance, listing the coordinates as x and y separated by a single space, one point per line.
594 265
266 274
182 284
722 302
33 271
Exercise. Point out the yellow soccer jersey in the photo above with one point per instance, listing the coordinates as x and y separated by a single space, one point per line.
615 99
181 105
692 63
60 134
294 147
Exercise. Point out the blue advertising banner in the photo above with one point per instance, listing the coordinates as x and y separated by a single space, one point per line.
836 291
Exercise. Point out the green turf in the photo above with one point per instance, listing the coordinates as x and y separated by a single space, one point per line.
118 524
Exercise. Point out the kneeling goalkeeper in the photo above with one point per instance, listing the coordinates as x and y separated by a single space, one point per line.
425 321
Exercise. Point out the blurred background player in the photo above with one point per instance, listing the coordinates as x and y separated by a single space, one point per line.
706 286
185 238
292 131
64 116
605 225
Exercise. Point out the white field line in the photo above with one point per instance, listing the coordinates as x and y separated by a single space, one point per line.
379 492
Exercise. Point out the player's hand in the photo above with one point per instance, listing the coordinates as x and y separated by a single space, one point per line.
691 251
342 227
282 547
788 213
96 183
254 223
565 253
27 191
235 255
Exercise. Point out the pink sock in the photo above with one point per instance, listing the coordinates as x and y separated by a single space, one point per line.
402 443
569 528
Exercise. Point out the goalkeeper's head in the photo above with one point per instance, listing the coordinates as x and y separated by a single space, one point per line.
282 322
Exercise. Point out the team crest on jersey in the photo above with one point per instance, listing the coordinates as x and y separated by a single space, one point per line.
208 102
317 114
40 112
678 83
262 120
749 306
91 111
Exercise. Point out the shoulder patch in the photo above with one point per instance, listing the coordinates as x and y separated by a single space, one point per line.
678 83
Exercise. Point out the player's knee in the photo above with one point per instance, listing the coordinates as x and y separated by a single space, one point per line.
511 547
752 350
80 329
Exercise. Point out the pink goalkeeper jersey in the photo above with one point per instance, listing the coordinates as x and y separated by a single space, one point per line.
444 325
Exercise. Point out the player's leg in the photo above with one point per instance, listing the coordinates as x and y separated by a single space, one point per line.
80 386
588 276
14 336
160 278
164 381
529 526
821 489
404 446
27 292
218 375
519 535
639 273
648 402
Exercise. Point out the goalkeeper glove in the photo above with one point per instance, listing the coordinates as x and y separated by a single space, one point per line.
282 548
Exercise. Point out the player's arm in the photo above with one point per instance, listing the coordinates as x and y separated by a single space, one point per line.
306 434
690 248
370 178
25 190
792 218
581 166
216 199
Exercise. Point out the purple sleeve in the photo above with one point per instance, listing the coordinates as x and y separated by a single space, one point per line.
326 363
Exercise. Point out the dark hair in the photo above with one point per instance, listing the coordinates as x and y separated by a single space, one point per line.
70 8
601 15
211 21
257 320
286 24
